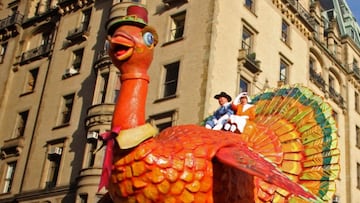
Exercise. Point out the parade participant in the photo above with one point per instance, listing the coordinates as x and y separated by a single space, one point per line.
222 114
243 112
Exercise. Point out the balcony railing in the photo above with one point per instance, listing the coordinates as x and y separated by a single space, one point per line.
338 99
317 79
356 71
79 33
303 13
12 146
17 18
36 53
63 1
249 60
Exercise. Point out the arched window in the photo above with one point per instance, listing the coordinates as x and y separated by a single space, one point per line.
315 70
335 83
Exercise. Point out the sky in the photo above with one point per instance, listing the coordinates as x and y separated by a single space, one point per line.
355 8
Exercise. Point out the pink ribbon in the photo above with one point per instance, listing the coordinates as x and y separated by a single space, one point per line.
109 139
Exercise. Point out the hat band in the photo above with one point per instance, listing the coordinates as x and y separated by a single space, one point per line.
133 18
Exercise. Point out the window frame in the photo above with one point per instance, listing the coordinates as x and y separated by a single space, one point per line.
31 79
171 79
92 145
247 40
9 176
357 101
78 56
284 66
285 32
250 4
357 134
21 122
3 48
103 87
177 26
66 108
244 81
164 120
85 19
53 166
358 175
83 197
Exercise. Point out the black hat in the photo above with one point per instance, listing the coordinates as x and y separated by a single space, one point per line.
223 94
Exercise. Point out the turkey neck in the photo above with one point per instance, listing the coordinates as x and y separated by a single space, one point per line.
130 107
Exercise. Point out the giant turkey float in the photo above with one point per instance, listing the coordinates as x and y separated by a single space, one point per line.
288 153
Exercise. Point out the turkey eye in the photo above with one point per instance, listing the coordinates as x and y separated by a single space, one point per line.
148 38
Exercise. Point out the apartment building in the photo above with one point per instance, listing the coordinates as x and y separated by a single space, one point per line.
58 86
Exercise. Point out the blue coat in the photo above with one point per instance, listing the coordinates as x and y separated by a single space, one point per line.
221 111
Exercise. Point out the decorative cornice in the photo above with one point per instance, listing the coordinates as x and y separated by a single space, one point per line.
305 28
68 6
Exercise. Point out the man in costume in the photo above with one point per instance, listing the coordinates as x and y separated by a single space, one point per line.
222 114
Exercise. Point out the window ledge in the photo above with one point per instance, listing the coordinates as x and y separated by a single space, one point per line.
286 42
61 126
173 41
165 98
66 75
27 93
251 10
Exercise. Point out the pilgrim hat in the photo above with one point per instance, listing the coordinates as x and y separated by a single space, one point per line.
223 94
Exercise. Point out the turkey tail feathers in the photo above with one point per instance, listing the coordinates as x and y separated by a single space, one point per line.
304 127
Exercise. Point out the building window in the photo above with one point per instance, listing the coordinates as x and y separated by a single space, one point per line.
92 143
163 120
358 175
117 89
244 85
177 26
284 69
85 21
31 80
250 5
171 79
335 116
331 82
104 80
66 109
46 39
355 65
9 176
2 52
336 48
83 198
76 64
357 136
42 7
285 30
92 149
78 55
335 89
247 40
312 64
54 157
21 124
357 100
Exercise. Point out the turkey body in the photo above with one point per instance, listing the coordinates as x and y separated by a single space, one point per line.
178 166
181 165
